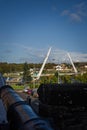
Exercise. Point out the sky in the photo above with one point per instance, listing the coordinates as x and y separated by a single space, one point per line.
28 28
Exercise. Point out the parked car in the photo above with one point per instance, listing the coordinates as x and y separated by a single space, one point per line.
27 90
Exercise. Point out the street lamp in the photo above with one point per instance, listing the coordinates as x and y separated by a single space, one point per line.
58 67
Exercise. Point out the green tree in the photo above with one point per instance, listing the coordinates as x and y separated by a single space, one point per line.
26 73
82 78
66 79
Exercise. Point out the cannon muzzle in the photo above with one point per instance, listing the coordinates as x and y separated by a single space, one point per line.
20 115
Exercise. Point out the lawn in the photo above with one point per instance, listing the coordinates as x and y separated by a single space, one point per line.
18 87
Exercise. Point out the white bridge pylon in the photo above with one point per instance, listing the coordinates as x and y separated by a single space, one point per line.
45 60
75 70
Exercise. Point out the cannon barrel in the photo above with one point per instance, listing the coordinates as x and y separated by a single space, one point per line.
20 115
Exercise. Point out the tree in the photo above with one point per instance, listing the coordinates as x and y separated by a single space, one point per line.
26 73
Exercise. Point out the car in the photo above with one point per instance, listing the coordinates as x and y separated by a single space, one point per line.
27 90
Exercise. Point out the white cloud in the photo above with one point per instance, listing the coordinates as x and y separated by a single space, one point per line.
75 17
35 55
81 57
76 13
56 56
81 8
65 12
59 56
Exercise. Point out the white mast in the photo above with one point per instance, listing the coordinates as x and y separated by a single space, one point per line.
72 63
45 60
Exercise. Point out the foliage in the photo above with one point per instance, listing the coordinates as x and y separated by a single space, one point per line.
10 67
18 87
25 67
26 73
82 78
66 79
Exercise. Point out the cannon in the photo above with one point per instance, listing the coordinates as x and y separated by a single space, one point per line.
20 115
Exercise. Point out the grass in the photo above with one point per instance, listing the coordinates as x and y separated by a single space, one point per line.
18 87
21 87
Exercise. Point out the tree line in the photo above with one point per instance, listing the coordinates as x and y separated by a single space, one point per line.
25 67
14 67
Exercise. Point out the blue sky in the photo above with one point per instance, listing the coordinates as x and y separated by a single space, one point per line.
29 27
